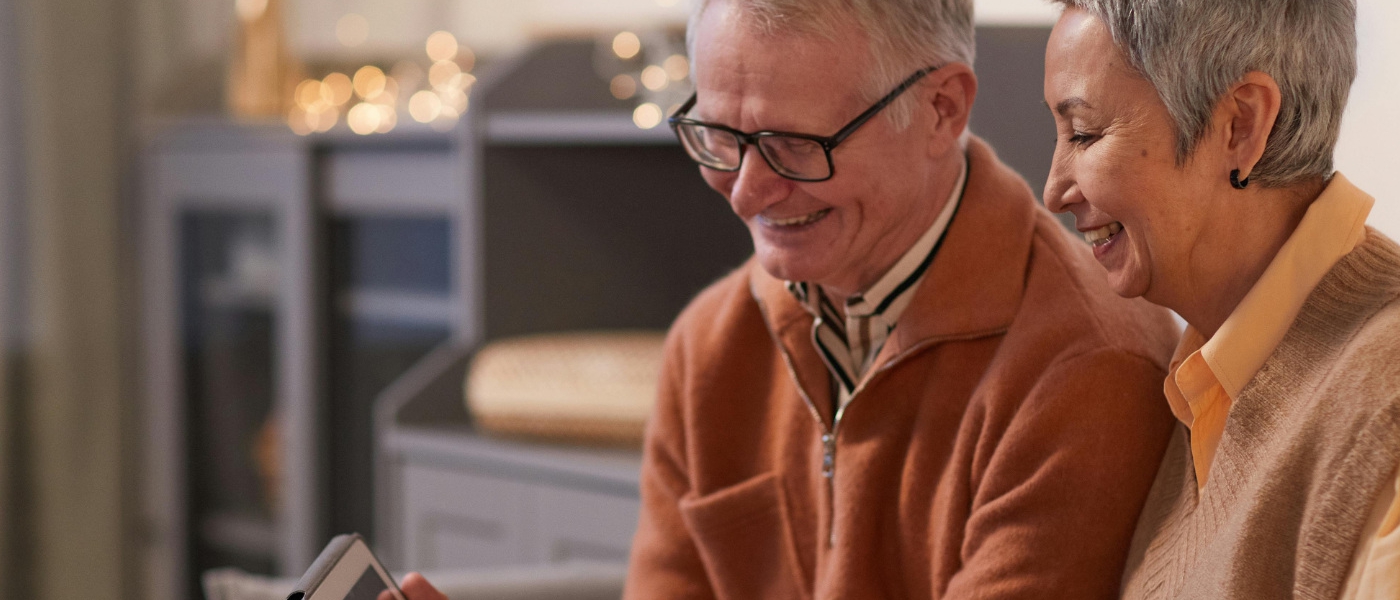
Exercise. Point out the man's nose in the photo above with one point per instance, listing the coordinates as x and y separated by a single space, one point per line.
757 186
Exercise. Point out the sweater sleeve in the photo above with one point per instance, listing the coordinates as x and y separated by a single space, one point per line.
1059 488
664 560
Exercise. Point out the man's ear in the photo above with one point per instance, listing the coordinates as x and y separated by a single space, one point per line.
952 93
1249 111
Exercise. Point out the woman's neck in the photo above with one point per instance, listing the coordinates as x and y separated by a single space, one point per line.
1231 259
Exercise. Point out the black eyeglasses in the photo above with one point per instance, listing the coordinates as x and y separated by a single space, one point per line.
796 156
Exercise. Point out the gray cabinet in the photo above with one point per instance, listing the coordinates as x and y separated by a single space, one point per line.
452 497
287 282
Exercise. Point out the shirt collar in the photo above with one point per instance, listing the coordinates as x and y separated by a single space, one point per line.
1331 228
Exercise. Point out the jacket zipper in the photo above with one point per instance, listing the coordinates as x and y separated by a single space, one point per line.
829 434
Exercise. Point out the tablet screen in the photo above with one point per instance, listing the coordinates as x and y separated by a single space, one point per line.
368 587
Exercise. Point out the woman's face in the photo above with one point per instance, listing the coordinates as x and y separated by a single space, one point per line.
1115 165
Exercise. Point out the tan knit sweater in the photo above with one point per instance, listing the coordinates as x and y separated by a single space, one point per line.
1309 443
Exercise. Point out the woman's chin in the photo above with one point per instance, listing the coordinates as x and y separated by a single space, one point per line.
1128 282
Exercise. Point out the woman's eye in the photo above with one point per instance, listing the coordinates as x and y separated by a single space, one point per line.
1082 139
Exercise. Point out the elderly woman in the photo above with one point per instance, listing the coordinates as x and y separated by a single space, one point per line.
1195 142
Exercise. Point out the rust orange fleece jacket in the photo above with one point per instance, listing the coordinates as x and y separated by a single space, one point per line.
1002 446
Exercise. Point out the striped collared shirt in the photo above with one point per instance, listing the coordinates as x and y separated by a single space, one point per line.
849 345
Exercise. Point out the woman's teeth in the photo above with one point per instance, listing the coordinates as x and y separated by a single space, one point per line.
795 221
1101 235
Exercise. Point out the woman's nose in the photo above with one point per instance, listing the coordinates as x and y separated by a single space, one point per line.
756 186
1061 192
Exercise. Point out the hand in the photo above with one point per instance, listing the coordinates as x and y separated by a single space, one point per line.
415 587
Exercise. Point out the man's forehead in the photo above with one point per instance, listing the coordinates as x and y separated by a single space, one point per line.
735 61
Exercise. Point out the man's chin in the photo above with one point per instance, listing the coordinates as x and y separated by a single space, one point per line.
787 267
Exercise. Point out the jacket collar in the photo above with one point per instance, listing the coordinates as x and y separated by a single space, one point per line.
972 289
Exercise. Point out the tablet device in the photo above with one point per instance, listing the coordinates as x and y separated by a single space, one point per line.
346 570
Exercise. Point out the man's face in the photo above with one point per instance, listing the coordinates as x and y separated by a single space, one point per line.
843 233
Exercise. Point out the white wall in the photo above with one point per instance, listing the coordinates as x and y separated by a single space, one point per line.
1368 153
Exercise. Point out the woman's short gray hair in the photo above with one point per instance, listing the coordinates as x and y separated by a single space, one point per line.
904 35
1192 51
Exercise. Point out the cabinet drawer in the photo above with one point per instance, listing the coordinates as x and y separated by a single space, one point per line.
461 519
578 525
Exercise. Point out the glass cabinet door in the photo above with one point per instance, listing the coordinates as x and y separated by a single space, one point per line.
391 302
229 284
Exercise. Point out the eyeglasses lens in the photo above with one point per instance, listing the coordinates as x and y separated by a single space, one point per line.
714 148
795 157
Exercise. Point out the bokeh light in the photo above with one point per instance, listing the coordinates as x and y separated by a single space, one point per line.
340 88
296 119
388 118
647 116
352 30
363 118
425 106
655 78
250 10
626 45
455 99
677 67
442 46
307 94
443 74
623 87
369 81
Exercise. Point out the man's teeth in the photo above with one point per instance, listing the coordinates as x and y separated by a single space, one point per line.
1101 235
802 220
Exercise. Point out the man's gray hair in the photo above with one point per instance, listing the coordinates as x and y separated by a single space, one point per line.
904 35
1192 51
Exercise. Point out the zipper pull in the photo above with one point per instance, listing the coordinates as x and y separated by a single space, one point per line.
828 455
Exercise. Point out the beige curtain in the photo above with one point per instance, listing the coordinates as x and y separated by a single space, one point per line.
66 468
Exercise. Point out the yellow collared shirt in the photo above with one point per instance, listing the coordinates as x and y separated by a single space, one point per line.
1208 374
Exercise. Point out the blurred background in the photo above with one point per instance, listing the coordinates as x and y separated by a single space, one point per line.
272 270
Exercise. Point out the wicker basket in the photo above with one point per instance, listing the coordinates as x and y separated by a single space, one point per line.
590 387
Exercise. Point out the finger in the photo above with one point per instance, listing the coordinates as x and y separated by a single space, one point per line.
415 587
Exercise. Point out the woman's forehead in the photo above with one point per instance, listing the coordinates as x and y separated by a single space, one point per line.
1083 65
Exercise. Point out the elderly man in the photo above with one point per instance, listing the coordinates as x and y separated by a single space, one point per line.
921 385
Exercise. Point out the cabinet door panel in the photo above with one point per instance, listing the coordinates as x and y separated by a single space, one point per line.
578 525
460 519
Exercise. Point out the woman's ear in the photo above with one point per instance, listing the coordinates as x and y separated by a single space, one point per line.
1250 110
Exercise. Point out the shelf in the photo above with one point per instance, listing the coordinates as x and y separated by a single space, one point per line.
244 534
397 307
230 293
563 128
